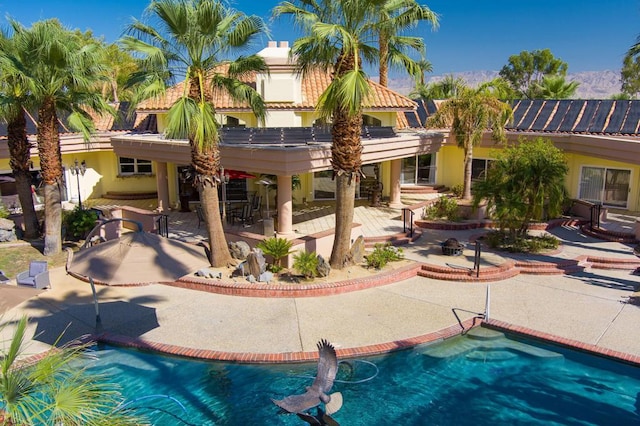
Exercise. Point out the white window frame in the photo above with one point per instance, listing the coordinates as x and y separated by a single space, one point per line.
137 162
604 181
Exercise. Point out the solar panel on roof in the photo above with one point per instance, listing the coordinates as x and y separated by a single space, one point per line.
543 116
600 117
569 120
421 111
431 107
519 111
412 119
587 116
531 114
617 117
558 115
630 125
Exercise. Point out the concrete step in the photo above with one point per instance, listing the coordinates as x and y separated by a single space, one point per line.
606 235
399 239
423 189
533 267
612 263
449 273
113 195
497 348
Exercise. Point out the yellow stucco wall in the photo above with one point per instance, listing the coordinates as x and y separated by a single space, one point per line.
108 180
577 161
450 170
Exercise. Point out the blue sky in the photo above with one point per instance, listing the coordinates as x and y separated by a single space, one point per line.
473 35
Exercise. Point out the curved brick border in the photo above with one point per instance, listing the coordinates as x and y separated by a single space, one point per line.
286 357
369 350
247 289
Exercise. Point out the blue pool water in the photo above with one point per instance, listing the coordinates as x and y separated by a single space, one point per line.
463 381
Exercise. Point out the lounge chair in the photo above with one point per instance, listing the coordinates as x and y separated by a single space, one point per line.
37 276
3 277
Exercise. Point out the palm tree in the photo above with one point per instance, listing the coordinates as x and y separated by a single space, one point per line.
554 87
470 115
338 37
448 87
393 18
56 389
422 66
13 106
63 76
120 66
194 38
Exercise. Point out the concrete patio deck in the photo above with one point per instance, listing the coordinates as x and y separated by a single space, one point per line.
587 307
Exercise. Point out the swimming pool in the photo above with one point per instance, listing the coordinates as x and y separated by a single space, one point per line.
480 379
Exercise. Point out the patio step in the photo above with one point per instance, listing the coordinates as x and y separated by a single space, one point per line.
398 239
121 195
534 267
603 234
423 189
450 273
612 263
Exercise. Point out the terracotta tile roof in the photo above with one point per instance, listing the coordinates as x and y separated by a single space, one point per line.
314 83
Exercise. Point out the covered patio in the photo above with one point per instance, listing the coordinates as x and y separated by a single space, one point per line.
276 152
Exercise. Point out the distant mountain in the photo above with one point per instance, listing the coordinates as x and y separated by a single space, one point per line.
593 84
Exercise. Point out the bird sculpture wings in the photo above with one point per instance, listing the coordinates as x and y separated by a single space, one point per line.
317 392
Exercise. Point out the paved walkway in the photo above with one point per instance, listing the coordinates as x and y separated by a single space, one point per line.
588 307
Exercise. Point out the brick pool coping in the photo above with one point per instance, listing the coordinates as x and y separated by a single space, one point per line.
285 357
368 350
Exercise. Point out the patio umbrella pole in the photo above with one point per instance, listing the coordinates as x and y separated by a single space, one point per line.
95 301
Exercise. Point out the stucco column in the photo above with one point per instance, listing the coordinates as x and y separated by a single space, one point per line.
394 195
285 207
162 183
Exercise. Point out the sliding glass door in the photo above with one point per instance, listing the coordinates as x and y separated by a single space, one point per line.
606 185
418 170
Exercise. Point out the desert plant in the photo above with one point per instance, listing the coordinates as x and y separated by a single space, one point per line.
444 207
383 254
4 213
79 222
506 241
306 263
524 184
457 190
277 248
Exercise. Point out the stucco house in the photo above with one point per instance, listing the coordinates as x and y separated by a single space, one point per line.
601 140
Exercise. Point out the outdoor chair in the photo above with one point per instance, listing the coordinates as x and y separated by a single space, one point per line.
3 277
256 205
243 215
37 276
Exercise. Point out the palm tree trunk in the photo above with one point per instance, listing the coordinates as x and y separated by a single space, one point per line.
468 159
220 255
19 152
205 161
345 202
51 164
384 60
346 153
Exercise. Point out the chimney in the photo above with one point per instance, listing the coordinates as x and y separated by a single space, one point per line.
284 44
272 44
